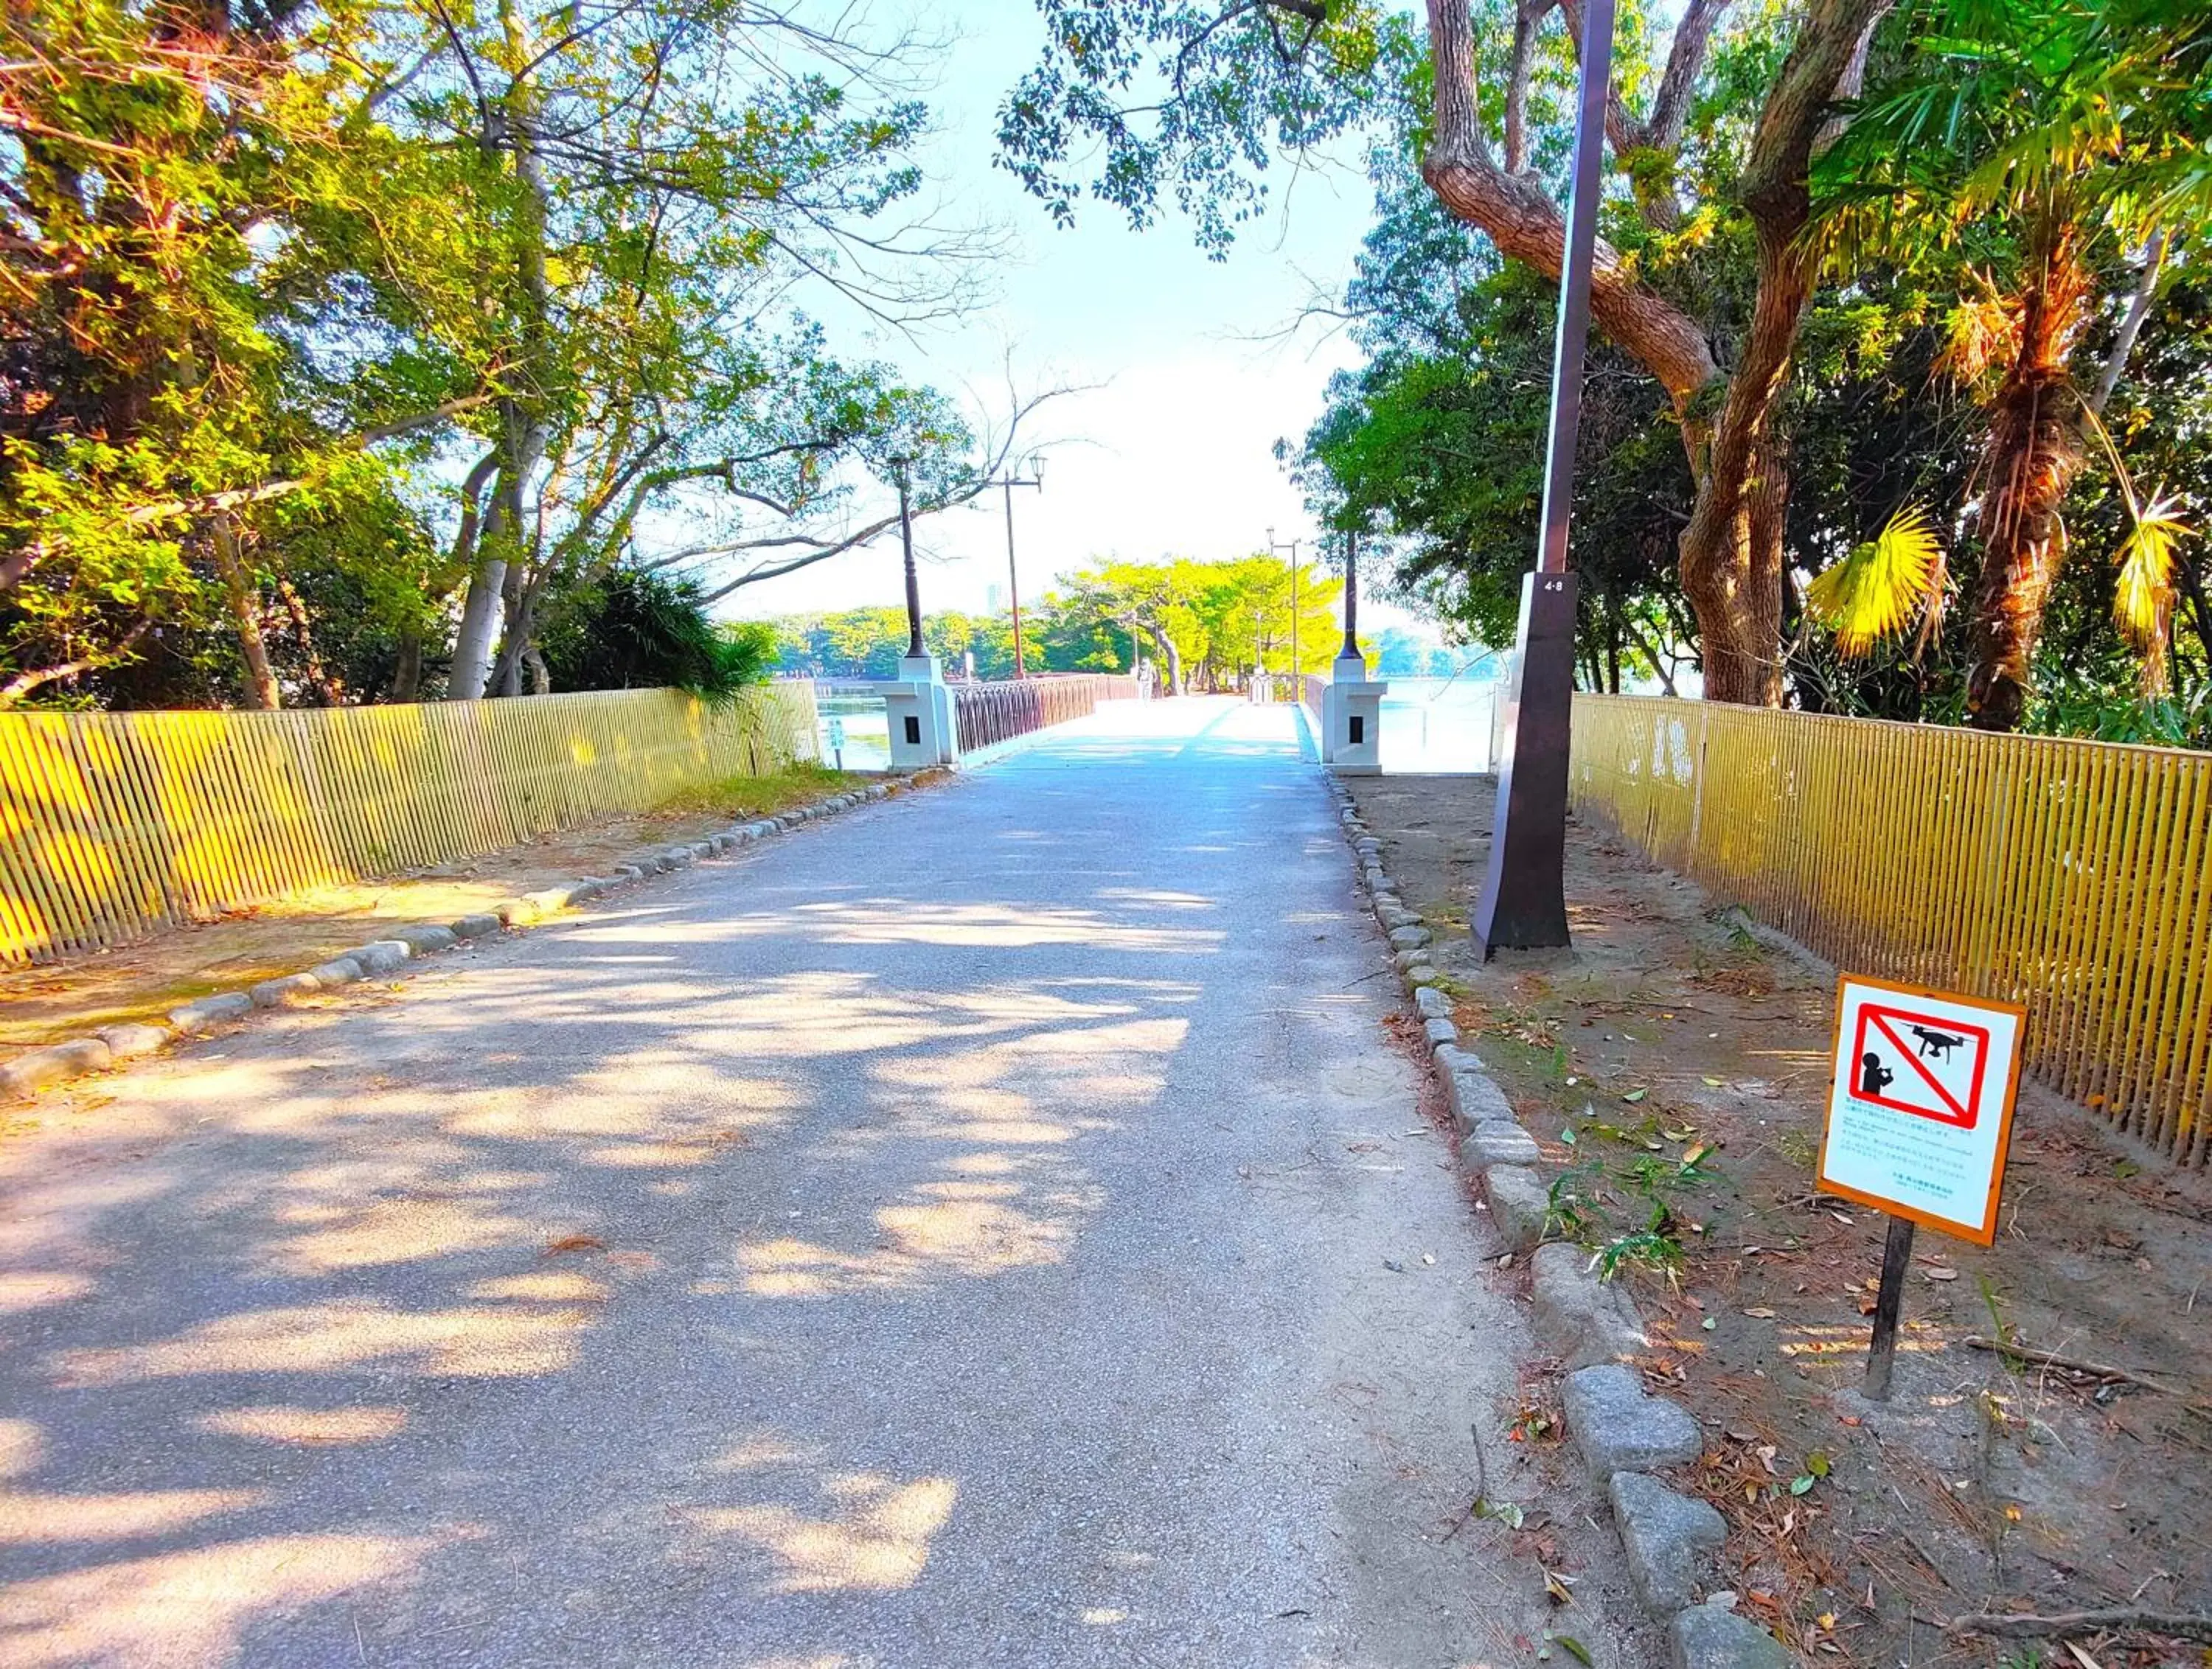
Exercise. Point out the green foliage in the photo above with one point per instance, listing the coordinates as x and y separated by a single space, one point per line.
632 629
315 318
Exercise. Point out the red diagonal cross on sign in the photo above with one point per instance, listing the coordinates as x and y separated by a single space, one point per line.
1911 1059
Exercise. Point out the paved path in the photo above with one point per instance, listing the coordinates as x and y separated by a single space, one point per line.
955 1235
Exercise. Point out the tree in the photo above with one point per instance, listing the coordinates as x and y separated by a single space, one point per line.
2029 146
633 630
1224 84
504 292
171 190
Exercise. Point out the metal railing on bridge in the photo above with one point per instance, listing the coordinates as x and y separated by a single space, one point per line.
2073 877
999 712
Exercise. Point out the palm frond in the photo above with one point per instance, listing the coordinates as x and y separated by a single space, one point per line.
1981 336
1874 593
2142 600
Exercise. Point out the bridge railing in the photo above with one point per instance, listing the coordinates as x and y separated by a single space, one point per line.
1000 711
2073 877
114 825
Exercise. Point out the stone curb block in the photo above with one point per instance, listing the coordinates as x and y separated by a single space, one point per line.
1497 1142
130 1040
1441 1033
1665 1535
35 1069
275 993
1410 938
1710 1636
197 1015
1619 1426
1585 1320
1519 1205
1432 1002
379 957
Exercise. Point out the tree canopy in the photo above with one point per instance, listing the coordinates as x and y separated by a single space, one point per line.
341 341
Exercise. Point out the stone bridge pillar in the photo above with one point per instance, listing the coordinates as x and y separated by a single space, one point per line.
919 708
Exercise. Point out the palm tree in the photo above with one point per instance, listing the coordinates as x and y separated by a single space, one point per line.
2031 148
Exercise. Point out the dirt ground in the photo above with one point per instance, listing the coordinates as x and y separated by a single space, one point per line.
143 981
1675 1067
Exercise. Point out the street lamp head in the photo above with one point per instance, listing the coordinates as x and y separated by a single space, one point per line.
1036 470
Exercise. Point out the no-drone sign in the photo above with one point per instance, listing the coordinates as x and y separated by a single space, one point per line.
1921 1108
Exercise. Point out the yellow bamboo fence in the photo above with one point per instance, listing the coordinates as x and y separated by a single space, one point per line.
2073 877
114 825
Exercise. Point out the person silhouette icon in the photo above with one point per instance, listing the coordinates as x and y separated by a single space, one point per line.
1874 1077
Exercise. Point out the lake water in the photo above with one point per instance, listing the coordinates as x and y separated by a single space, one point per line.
866 728
1438 725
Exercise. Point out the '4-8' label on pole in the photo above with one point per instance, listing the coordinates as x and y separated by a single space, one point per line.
1921 1108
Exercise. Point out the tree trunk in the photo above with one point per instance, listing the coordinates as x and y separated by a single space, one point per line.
261 688
1170 656
510 127
407 675
2029 460
1732 566
328 691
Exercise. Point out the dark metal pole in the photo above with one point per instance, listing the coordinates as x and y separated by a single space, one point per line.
1351 649
1522 904
914 644
1882 1355
1013 580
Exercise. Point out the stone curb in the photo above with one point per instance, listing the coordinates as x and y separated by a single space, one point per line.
1620 1428
56 1063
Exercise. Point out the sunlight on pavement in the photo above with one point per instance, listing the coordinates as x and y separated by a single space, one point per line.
306 1428
344 1334
190 1607
878 1535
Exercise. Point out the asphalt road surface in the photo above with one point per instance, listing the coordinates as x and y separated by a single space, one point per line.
987 1229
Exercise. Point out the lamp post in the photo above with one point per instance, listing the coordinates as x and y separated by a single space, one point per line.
1293 549
1351 649
1522 904
1009 482
913 643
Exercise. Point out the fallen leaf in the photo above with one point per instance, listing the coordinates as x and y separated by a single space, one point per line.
1717 1083
1817 1464
1800 1484
1709 1324
1634 1095
2082 1658
1761 1313
1940 1274
1574 1648
1555 1586
573 1243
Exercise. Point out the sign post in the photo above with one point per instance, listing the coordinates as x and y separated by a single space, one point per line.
1919 1117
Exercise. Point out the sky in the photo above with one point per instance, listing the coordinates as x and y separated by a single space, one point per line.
1187 380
